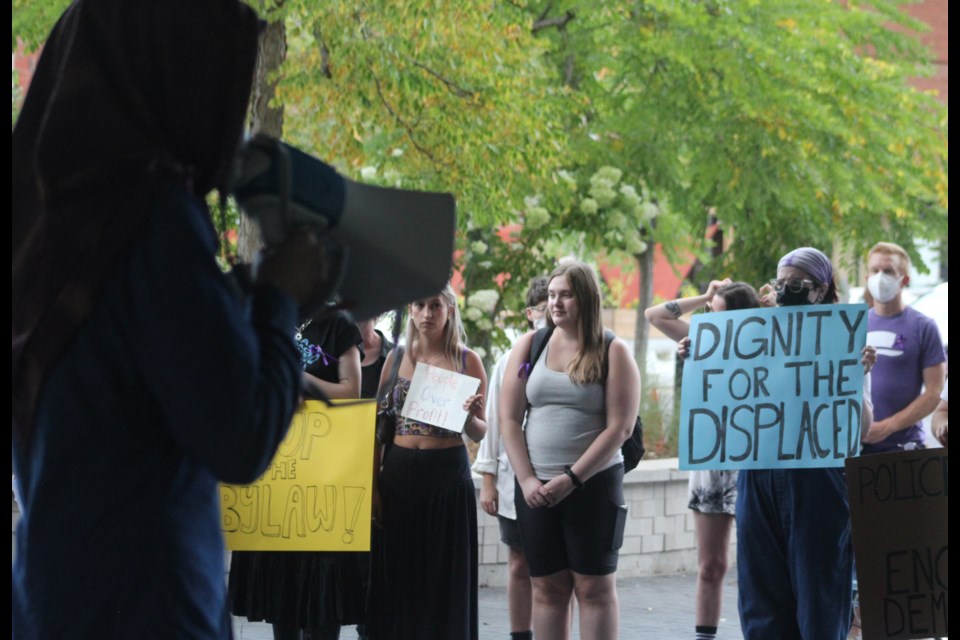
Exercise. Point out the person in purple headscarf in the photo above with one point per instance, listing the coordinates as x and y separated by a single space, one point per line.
794 547
804 276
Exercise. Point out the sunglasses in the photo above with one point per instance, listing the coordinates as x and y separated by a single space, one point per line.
795 285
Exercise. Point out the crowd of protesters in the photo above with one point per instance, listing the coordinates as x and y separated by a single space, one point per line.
142 379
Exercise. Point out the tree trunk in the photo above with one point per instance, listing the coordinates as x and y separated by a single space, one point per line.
645 260
264 118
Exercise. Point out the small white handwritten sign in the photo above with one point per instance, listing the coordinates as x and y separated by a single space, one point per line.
437 395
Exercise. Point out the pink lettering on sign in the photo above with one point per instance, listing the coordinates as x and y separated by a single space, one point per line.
429 414
443 378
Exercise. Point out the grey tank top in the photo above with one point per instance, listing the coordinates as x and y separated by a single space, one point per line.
563 419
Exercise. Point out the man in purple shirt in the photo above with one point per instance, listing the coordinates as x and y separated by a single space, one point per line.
911 364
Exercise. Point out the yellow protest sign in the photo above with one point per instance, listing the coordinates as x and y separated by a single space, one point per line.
315 495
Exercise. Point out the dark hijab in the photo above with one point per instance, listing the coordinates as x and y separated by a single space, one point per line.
126 95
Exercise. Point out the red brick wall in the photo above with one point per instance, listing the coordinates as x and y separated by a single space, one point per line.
24 64
935 14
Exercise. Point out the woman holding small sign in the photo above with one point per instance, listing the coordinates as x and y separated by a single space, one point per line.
580 400
424 576
794 549
713 493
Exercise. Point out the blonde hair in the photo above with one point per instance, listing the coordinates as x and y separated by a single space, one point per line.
454 336
587 365
892 249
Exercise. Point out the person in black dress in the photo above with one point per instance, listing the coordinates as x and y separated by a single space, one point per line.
308 595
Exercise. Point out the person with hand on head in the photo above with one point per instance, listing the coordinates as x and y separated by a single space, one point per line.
911 367
563 425
713 494
141 378
309 595
423 579
496 492
794 547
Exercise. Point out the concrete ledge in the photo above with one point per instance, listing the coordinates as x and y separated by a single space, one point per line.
658 539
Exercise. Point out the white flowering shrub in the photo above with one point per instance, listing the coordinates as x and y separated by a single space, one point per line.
484 300
480 308
605 215
537 217
620 213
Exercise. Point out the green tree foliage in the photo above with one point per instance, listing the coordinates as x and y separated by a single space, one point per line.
604 214
429 95
793 120
31 21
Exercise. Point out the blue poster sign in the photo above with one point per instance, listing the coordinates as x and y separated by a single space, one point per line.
773 388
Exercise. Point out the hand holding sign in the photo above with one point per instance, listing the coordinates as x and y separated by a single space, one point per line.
774 388
440 397
314 495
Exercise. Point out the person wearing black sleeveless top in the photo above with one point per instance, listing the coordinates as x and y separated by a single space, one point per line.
309 595
375 350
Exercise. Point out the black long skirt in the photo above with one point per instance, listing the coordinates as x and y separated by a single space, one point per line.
299 589
424 573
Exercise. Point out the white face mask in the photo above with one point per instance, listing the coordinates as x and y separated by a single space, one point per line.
883 287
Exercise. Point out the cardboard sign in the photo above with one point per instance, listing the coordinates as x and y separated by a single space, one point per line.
315 496
773 388
437 395
898 509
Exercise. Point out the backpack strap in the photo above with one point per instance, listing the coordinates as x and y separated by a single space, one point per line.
537 345
608 337
384 392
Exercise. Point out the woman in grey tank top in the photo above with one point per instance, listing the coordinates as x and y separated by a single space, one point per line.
567 459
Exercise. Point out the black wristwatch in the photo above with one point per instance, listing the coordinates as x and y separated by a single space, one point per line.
577 484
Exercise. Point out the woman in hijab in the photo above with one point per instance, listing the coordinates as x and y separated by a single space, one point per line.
140 378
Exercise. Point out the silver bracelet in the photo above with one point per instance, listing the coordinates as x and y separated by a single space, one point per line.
674 309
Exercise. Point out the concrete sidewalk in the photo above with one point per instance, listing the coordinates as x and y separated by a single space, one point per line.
656 607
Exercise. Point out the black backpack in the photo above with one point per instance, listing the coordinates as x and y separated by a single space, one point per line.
632 448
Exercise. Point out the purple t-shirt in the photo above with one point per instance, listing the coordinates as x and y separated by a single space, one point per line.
906 343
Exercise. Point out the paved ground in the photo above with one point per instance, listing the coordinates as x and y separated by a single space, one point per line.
658 608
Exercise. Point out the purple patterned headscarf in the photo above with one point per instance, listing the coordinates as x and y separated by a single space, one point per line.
811 260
